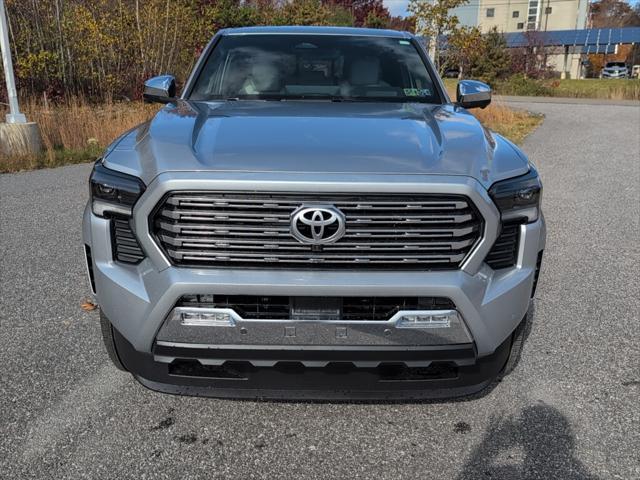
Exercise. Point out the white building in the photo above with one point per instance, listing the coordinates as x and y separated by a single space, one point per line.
522 15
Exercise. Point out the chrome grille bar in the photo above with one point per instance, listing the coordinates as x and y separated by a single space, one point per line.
404 231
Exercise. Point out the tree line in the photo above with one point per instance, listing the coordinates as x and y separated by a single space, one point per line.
107 48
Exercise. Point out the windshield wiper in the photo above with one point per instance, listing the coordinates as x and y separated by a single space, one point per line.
274 98
339 98
331 98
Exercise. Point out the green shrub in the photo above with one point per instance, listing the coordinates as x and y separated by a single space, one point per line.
521 85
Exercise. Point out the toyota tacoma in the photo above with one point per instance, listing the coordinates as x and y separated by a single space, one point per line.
313 217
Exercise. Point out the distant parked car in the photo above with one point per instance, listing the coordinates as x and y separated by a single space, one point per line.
615 70
635 71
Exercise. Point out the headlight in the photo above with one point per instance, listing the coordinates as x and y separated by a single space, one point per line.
519 197
113 192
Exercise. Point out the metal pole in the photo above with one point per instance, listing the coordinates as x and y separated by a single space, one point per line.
14 116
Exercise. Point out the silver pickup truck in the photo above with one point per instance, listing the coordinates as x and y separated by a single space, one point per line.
313 217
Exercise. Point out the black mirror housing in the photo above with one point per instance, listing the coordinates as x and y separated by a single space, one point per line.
473 94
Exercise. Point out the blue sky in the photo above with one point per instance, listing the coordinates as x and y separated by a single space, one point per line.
397 7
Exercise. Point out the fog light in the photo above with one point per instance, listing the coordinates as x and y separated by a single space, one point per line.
428 319
209 317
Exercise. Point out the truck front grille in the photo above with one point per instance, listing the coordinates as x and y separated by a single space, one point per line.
399 231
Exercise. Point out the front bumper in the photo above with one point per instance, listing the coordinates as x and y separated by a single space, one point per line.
137 299
338 380
615 74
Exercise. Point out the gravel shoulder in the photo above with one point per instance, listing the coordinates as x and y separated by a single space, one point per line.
569 411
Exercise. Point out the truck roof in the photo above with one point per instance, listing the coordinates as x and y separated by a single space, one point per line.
366 32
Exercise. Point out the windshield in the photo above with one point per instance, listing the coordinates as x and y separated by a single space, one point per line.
615 64
332 67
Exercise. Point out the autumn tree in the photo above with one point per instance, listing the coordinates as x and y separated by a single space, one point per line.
483 57
531 59
614 14
364 11
407 24
106 48
463 49
433 19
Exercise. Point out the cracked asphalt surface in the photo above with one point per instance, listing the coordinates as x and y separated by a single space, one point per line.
571 410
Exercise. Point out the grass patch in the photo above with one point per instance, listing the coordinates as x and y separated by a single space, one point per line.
521 85
50 159
613 89
618 89
76 131
512 124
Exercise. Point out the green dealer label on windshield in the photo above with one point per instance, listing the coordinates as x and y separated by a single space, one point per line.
417 92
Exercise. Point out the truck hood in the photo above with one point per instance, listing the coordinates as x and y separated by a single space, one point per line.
312 137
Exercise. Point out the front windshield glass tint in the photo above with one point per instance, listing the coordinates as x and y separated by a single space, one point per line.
331 67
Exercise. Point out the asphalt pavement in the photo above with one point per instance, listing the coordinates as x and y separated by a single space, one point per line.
570 411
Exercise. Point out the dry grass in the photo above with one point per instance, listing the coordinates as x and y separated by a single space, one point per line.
77 131
77 124
607 89
611 89
513 124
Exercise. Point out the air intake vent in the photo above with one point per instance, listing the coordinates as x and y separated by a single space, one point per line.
125 246
242 229
89 261
504 252
282 307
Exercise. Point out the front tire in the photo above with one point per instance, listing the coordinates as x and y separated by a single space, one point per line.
109 342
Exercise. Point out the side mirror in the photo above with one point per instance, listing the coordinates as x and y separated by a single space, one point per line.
473 94
161 89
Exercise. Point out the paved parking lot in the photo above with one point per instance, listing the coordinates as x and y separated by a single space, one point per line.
570 411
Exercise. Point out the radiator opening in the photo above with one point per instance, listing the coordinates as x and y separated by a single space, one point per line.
537 274
381 231
262 307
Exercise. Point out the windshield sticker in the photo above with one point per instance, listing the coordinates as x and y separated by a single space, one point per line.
417 92
404 42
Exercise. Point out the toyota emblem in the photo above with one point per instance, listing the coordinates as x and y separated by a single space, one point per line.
317 224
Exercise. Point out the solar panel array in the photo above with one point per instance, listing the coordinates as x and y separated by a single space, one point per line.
589 38
589 49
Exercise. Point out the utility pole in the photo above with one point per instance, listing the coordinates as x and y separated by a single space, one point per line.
17 136
14 116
